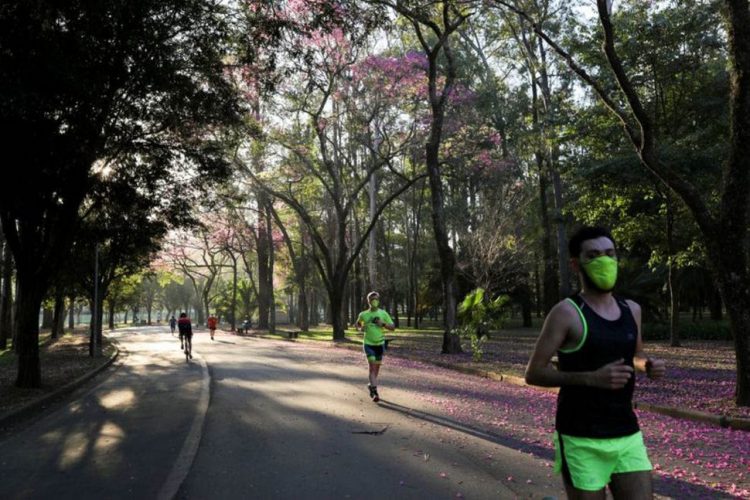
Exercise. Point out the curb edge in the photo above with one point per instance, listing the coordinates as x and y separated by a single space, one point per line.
24 411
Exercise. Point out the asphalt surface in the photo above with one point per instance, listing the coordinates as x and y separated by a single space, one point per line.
284 421
118 437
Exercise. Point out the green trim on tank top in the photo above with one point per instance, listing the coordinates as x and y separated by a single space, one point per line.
585 329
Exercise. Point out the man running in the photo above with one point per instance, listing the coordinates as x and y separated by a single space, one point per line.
172 324
186 335
597 339
372 321
211 322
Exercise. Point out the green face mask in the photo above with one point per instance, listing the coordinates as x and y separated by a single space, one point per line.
374 302
602 271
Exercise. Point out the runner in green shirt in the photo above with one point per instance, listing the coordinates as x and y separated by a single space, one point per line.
372 321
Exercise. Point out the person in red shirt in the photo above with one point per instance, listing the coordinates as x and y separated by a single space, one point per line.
212 321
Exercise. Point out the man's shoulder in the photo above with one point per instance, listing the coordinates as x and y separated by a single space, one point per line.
565 306
564 312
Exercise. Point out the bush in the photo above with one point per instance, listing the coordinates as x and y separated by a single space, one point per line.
477 315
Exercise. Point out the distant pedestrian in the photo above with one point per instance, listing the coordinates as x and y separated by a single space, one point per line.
172 324
186 335
597 338
372 321
211 322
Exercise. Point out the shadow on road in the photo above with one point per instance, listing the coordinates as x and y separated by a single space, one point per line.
666 486
537 450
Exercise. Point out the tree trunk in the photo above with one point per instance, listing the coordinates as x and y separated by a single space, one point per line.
304 308
112 306
264 265
271 265
372 263
95 348
336 298
523 292
715 305
674 311
233 322
550 285
562 235
727 253
71 313
303 314
57 316
14 319
358 293
451 342
314 308
99 322
674 294
28 303
6 298
554 175
47 316
736 296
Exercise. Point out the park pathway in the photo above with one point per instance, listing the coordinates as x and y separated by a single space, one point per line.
289 421
117 437
285 420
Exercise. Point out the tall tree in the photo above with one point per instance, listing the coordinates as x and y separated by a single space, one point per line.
83 82
723 224
434 25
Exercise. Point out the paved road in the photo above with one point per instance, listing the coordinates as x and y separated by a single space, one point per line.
118 437
285 420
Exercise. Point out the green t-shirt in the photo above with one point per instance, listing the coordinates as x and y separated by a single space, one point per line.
374 333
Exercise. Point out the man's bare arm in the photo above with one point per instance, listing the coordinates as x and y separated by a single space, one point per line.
654 368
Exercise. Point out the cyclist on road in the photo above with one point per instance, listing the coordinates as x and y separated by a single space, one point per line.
186 335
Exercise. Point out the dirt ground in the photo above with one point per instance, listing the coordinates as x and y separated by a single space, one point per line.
62 361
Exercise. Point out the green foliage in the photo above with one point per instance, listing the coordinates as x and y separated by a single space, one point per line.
477 315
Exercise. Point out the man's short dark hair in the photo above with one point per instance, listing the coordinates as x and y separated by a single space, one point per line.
373 294
587 233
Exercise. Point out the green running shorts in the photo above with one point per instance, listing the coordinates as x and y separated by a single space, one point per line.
588 463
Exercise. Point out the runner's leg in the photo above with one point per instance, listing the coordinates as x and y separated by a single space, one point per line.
374 371
576 494
632 485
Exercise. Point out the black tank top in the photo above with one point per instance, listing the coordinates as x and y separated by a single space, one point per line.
589 411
